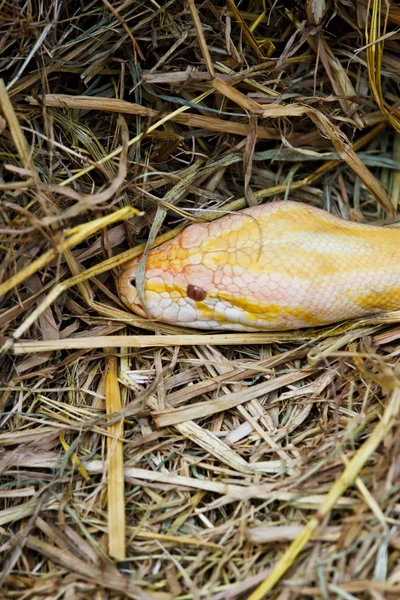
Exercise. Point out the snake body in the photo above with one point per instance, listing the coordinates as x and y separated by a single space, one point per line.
276 266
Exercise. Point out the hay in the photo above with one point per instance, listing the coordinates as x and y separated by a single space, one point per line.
140 460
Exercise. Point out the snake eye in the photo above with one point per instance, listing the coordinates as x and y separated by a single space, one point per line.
196 293
132 281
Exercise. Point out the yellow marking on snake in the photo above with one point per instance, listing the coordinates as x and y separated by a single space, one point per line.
276 266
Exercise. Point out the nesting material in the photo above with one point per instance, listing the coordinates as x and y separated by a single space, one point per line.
140 460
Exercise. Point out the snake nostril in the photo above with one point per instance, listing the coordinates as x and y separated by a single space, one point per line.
132 282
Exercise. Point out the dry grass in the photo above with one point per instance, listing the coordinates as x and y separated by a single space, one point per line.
183 465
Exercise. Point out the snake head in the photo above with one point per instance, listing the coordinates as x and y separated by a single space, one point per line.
207 277
201 278
174 290
175 282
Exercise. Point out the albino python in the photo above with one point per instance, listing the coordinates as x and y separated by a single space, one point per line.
277 266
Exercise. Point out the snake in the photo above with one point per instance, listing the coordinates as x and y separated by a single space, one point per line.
278 266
